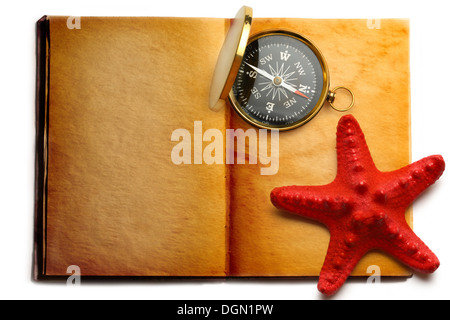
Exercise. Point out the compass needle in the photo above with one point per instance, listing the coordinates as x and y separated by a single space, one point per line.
260 71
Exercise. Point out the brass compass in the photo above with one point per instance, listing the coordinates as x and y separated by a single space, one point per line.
277 79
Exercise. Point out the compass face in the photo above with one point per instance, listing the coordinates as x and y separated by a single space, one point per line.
282 81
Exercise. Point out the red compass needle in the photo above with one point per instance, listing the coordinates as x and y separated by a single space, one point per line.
300 94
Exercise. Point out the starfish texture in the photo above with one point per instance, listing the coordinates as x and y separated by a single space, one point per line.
363 208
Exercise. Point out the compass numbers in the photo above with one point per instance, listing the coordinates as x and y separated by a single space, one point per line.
300 69
285 55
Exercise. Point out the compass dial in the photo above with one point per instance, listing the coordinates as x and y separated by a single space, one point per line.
282 81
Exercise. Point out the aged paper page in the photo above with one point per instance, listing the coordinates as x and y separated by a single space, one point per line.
374 63
117 203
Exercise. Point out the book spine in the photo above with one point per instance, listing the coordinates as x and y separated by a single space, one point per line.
42 82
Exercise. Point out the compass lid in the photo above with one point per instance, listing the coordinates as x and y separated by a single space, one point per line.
230 58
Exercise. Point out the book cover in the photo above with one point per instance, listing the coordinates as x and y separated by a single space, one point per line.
134 175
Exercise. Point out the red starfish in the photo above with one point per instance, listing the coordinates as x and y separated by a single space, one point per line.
363 208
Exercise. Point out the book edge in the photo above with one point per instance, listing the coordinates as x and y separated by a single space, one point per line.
42 81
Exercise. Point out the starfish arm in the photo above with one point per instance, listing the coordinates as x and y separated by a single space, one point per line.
342 256
406 184
316 202
353 155
407 247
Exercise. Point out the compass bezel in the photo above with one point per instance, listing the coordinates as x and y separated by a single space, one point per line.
323 95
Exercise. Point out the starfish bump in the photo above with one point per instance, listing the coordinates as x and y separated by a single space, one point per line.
363 208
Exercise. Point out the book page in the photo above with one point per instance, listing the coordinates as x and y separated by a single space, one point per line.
122 199
374 63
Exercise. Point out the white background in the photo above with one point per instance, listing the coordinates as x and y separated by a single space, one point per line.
430 64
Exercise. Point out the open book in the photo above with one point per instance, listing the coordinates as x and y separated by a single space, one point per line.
132 175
